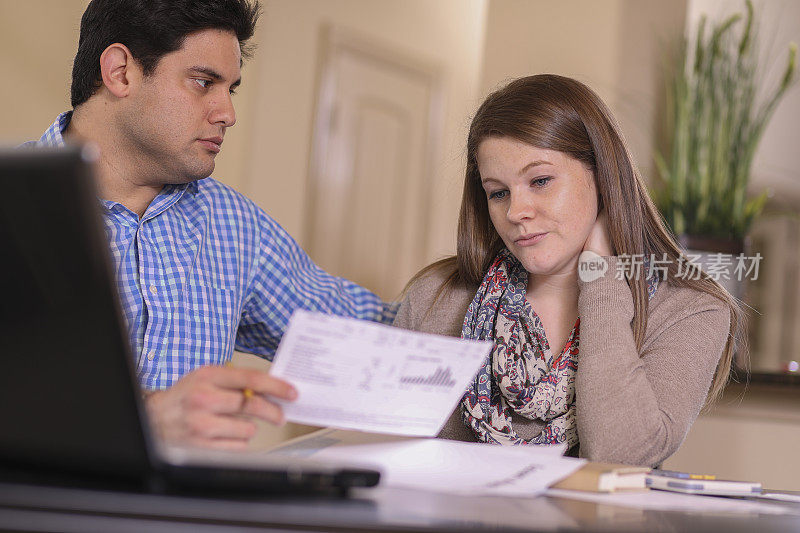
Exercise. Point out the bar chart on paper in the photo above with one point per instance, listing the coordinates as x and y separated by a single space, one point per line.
417 371
354 374
441 377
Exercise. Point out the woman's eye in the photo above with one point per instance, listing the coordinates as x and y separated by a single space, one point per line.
541 182
497 195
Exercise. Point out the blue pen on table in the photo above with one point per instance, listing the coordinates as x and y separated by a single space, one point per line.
700 484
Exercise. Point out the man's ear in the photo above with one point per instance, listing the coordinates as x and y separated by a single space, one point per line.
119 70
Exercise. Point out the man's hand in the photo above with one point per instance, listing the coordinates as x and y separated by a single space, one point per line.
205 407
599 240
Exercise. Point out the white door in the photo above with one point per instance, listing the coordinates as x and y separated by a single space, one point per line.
375 133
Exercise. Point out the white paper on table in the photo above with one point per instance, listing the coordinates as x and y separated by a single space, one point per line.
361 375
441 465
779 497
659 500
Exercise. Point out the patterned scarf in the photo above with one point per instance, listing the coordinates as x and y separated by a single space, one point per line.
517 376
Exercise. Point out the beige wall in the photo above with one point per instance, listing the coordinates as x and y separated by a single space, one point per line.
37 45
615 47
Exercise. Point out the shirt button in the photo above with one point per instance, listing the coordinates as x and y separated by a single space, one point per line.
153 289
150 356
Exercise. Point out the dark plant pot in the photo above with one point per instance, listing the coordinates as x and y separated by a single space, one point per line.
713 244
708 248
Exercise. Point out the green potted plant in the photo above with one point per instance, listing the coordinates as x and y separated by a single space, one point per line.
718 108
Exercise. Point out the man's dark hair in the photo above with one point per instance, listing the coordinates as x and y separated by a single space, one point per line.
150 29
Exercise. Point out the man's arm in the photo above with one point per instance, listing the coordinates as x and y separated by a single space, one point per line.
286 279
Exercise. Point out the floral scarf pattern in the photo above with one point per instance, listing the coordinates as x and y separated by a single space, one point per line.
518 376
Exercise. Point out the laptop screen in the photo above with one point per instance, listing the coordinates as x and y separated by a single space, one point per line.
67 395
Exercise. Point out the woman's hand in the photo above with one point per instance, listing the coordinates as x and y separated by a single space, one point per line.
599 240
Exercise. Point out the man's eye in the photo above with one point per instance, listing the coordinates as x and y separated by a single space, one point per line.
232 91
497 195
203 83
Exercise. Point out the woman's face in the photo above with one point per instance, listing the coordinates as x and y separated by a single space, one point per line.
542 203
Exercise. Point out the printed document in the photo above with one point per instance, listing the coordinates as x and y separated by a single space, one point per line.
441 465
361 375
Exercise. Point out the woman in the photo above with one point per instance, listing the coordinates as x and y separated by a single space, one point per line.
618 366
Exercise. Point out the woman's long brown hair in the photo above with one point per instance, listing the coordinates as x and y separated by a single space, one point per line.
558 113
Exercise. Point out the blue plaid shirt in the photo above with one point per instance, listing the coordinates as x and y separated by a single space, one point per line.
205 271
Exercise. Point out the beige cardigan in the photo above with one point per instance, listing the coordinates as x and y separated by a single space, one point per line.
631 407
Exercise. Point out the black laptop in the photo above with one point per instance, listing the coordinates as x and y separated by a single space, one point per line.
69 398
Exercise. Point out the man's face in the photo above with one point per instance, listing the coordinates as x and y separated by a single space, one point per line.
175 121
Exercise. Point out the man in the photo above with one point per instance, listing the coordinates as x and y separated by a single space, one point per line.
200 269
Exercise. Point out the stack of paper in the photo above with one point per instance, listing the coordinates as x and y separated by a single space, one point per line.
441 465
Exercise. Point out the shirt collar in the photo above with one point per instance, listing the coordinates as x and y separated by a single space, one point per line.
52 136
169 196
